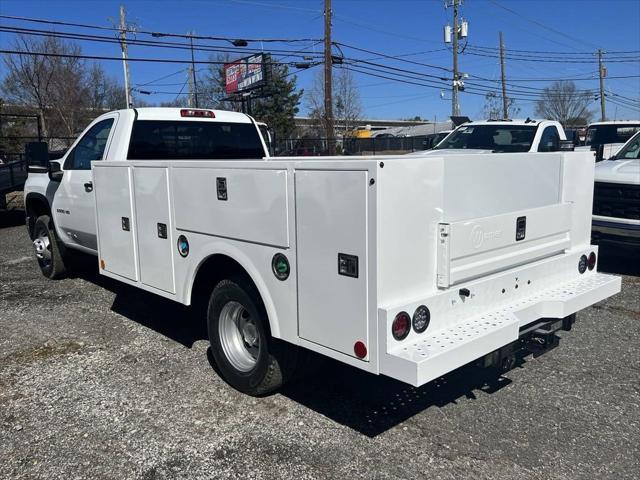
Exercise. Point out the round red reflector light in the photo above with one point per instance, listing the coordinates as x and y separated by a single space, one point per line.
360 349
582 264
592 260
401 326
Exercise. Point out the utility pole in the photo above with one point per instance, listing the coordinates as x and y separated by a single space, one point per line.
125 65
328 66
505 103
190 103
455 105
453 35
193 83
602 71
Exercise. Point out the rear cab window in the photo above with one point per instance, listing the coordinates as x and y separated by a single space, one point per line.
605 134
194 140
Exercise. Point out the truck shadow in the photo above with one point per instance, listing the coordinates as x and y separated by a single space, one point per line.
171 319
372 404
366 403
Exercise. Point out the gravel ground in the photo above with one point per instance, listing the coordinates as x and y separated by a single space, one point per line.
100 380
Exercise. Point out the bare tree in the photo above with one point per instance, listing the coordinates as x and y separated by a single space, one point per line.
563 102
105 93
347 106
65 92
492 109
29 78
211 85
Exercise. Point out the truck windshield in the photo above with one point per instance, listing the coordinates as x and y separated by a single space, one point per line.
497 138
181 140
604 134
631 150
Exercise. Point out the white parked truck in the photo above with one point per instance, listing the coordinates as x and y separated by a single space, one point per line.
501 136
404 266
616 199
606 138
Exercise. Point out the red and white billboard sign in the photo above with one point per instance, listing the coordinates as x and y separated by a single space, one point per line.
244 74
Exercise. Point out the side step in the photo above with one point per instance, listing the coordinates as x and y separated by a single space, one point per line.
472 338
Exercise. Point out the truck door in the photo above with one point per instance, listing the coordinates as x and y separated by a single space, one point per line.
73 204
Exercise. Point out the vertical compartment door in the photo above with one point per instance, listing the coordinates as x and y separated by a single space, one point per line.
153 219
331 223
115 222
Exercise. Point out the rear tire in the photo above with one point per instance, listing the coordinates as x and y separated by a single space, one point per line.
48 248
246 355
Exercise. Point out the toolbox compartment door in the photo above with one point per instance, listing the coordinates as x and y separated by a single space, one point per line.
115 222
154 228
331 228
473 248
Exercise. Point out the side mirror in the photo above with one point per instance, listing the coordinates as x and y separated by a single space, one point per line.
566 146
37 156
55 172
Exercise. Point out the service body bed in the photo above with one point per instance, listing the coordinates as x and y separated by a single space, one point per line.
507 229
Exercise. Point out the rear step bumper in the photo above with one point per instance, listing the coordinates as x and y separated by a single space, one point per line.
443 351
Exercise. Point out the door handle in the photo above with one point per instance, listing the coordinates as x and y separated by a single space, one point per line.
88 187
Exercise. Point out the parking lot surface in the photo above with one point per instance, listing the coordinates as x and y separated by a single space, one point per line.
100 380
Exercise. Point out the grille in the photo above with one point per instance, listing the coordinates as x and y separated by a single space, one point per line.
616 200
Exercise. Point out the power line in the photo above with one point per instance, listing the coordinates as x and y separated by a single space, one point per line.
549 52
540 24
150 43
372 52
148 32
550 60
153 60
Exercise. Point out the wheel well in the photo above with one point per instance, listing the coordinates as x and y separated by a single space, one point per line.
214 269
35 206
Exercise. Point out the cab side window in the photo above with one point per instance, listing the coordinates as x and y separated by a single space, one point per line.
90 147
550 140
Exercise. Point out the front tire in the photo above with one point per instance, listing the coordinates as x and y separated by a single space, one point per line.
48 248
247 357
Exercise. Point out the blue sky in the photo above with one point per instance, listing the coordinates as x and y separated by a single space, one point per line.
569 27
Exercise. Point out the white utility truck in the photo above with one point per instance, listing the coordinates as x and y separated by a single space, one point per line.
501 136
404 266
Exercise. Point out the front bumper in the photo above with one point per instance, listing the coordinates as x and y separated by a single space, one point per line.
432 355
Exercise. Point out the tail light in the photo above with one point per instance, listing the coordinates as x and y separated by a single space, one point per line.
583 263
190 112
421 318
592 261
401 326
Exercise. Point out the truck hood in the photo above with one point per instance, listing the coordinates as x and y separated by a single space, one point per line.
618 171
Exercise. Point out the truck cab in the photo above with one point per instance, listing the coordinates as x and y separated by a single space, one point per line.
606 138
501 136
65 195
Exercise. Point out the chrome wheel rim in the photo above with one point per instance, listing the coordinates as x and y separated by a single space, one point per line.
239 336
42 247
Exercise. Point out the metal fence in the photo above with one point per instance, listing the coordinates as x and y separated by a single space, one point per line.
349 146
12 175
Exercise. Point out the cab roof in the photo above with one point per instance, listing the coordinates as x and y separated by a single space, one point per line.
615 122
529 121
164 113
